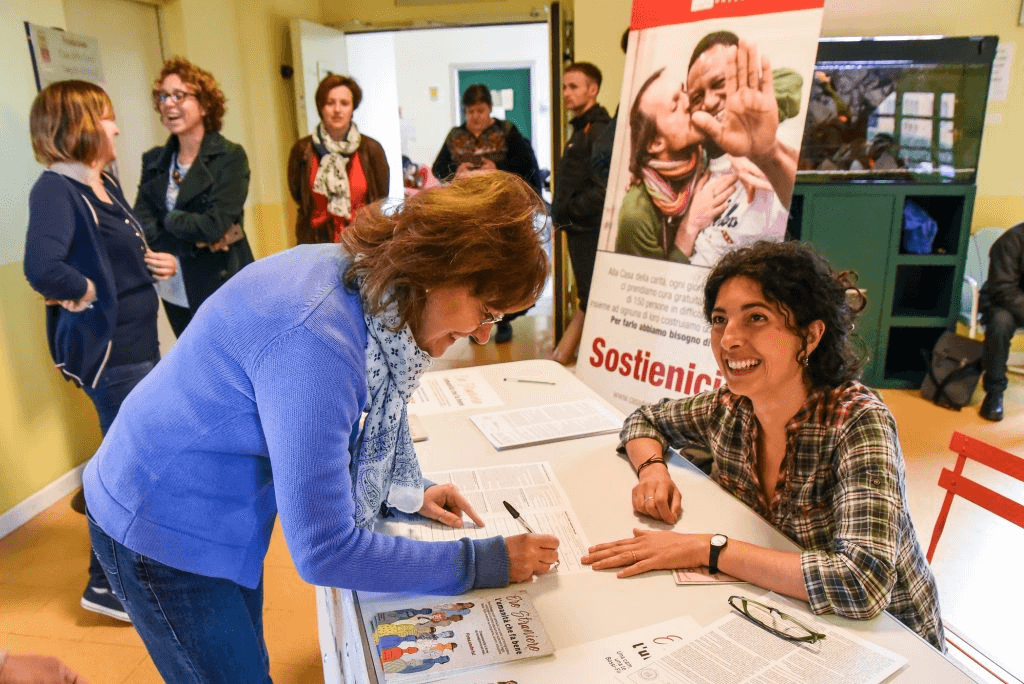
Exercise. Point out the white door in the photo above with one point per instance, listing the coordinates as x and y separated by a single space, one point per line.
316 50
129 38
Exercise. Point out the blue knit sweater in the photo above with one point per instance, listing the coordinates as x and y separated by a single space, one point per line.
255 413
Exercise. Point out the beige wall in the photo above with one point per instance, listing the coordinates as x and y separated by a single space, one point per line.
1000 198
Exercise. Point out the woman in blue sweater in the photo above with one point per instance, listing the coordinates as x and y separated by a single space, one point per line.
256 413
85 252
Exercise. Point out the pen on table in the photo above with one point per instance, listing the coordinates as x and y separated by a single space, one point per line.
534 382
515 514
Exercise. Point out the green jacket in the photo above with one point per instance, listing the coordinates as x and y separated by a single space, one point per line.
643 231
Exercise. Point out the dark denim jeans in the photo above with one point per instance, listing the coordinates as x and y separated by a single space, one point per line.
198 630
115 384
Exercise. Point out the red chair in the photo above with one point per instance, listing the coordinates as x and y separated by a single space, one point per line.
957 484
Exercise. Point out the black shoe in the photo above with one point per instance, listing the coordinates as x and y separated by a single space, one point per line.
78 502
99 598
992 406
504 333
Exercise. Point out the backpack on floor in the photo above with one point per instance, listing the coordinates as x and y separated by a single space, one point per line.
954 368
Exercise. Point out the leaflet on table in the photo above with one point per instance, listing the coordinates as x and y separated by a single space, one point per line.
547 423
425 640
452 390
531 487
733 649
595 662
702 576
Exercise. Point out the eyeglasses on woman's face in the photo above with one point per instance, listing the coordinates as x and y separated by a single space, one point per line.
490 317
774 620
175 97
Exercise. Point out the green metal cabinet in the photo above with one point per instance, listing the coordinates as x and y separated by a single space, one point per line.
912 298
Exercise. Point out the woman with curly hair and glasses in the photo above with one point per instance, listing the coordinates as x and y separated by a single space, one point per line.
192 190
794 436
257 413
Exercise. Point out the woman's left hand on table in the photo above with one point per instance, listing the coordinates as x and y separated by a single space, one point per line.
445 504
162 265
650 550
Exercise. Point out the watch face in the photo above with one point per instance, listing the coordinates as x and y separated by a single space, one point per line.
719 540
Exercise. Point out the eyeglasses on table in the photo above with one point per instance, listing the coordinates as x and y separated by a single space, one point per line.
774 620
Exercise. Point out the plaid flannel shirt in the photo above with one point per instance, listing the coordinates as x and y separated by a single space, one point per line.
841 494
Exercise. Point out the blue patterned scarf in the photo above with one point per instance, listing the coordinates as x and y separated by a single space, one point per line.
385 468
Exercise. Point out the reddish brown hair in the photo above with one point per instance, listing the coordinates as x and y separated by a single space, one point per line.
331 82
65 122
208 93
483 231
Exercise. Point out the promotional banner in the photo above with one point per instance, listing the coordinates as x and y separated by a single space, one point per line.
706 142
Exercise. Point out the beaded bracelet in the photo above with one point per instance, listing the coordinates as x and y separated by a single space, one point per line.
656 458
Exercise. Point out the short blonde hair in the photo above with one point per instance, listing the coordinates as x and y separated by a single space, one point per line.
65 122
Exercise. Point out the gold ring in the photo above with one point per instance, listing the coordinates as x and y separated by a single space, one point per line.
634 557
650 498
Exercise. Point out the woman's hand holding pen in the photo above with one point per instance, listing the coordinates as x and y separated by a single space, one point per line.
656 495
445 504
530 554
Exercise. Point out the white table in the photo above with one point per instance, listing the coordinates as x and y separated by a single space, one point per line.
598 483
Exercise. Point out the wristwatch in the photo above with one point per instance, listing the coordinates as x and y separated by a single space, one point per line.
718 542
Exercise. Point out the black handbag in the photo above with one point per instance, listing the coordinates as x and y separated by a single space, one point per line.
954 368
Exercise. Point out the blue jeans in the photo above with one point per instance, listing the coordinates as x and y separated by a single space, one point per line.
198 630
114 385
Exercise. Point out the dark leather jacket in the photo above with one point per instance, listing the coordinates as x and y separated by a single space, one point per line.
579 193
209 203
1005 285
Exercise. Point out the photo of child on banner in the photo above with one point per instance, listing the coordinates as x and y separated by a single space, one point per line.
708 171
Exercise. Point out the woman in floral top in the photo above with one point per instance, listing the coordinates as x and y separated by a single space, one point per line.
794 436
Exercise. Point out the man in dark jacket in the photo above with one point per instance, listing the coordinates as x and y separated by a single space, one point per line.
1003 307
579 193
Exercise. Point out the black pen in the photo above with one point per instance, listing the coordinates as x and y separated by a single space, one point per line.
515 514
534 382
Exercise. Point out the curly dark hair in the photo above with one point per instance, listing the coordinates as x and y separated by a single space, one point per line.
208 93
794 276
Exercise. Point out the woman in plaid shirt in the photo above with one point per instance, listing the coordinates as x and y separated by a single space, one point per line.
794 436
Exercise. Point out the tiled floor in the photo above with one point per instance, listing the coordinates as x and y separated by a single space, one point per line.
978 562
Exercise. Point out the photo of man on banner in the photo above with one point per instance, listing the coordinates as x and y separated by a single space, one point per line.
708 172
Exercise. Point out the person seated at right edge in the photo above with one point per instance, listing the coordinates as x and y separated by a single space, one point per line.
1002 305
795 437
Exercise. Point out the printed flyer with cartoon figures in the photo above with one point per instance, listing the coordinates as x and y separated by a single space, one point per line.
707 137
425 642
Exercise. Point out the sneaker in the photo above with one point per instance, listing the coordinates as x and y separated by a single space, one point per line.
504 332
100 599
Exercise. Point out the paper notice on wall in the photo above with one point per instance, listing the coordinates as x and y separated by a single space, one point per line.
999 83
61 56
918 104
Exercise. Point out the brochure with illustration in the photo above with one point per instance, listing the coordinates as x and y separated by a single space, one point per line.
425 639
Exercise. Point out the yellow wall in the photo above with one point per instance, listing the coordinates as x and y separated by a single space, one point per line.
1000 197
47 426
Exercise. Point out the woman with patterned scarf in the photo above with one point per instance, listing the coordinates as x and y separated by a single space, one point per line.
259 412
337 170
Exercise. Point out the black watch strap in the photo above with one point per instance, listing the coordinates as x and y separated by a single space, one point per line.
716 549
